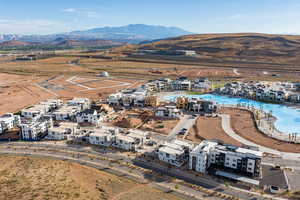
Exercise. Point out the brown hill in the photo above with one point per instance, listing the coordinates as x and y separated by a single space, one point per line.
243 47
14 43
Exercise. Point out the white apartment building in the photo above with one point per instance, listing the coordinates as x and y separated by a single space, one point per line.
114 99
175 152
66 113
168 111
82 103
89 116
225 157
35 129
52 103
63 131
104 136
199 159
42 108
132 141
8 121
35 111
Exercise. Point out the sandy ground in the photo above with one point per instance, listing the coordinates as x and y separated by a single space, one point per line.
17 92
208 128
243 124
144 120
25 178
160 125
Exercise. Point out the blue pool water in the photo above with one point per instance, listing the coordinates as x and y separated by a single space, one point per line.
288 118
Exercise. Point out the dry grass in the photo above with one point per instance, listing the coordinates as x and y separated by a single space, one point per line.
25 178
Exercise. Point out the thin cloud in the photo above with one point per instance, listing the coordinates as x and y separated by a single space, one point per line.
36 26
82 12
69 10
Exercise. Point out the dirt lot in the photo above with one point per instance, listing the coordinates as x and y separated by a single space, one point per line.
208 128
145 120
19 91
243 124
160 125
34 178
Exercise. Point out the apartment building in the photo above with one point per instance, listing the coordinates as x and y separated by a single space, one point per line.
175 152
35 129
238 160
35 111
63 131
9 121
82 103
104 136
42 108
90 116
131 141
168 112
66 113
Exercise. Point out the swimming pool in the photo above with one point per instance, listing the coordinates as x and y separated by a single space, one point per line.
288 118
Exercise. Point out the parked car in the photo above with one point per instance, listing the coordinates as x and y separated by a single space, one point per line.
274 189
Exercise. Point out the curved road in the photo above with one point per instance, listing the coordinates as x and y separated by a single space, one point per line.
227 128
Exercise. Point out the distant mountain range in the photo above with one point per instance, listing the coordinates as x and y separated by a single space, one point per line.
134 34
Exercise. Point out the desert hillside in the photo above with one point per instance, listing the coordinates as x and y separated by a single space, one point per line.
243 47
26 178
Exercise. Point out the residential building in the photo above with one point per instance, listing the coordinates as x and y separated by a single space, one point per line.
175 152
239 160
42 108
66 113
82 103
63 131
9 121
35 129
90 116
104 136
168 112
132 141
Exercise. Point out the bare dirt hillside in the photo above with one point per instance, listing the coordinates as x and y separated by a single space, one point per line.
26 178
243 47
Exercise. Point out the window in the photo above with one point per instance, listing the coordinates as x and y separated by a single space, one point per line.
250 164
249 168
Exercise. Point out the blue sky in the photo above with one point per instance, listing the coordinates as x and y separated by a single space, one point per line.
200 16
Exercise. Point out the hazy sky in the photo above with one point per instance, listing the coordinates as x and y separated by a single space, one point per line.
200 16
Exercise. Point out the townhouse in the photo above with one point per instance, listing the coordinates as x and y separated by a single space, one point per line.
210 154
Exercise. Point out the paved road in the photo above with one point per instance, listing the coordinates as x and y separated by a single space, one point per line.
62 151
227 128
187 121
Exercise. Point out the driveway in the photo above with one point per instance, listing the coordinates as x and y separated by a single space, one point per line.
187 121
